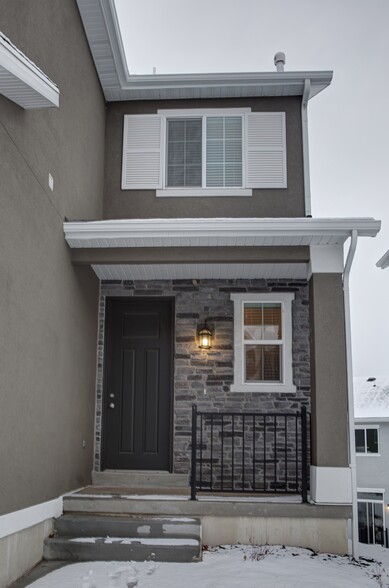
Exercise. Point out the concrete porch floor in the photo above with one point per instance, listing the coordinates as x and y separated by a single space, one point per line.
176 502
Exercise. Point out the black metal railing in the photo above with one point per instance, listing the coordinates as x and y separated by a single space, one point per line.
249 452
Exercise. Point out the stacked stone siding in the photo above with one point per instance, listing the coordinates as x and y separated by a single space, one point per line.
205 377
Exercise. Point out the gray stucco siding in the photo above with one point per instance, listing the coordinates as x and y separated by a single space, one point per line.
285 202
48 307
328 371
196 370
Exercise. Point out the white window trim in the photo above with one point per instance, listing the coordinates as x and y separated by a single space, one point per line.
371 490
239 385
169 192
365 453
196 192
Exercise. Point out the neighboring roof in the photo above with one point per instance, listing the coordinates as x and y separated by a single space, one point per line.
217 232
384 261
103 32
22 81
371 398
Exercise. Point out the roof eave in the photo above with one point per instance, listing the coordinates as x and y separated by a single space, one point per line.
319 80
220 228
104 37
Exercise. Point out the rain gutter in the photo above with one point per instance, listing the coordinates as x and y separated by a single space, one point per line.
350 393
304 125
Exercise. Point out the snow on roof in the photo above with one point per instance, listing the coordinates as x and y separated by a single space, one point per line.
371 398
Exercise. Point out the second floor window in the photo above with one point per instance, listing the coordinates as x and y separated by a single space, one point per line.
204 152
366 440
214 140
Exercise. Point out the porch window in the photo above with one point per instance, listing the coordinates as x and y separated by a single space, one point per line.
263 342
371 521
366 440
262 334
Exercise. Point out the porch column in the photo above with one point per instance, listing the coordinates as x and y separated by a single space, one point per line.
330 472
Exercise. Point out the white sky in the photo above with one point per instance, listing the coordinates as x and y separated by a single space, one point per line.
348 122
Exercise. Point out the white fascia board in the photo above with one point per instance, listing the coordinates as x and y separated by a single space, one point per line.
19 74
319 80
219 227
383 263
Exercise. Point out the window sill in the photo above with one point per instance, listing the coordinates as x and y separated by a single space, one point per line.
264 388
199 192
358 454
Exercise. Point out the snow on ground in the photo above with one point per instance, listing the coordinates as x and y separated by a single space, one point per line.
233 567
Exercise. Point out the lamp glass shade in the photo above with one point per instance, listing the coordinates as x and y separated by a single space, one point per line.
205 338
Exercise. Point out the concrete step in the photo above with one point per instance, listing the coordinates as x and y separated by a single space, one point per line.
127 526
128 503
140 479
91 537
78 549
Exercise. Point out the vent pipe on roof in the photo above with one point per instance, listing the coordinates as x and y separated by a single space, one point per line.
279 61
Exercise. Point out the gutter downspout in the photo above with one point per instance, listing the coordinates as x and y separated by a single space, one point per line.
350 394
304 127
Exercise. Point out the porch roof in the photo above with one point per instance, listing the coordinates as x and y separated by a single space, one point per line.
207 248
219 232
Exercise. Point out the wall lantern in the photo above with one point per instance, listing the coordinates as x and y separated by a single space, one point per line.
205 337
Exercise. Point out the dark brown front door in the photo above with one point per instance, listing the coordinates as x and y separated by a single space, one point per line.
138 384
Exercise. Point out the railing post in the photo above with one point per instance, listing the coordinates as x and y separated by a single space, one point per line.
194 453
304 455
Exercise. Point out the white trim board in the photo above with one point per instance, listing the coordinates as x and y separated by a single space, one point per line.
331 485
19 520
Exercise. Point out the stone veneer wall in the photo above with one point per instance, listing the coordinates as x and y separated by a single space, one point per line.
204 377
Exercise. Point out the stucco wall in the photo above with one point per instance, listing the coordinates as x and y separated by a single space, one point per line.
48 308
288 202
196 370
328 371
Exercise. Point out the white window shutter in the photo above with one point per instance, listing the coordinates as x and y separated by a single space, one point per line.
265 150
142 152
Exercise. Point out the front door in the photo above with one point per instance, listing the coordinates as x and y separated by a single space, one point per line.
138 384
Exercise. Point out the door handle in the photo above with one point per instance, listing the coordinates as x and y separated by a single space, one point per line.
111 405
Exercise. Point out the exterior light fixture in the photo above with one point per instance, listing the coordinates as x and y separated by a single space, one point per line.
205 337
